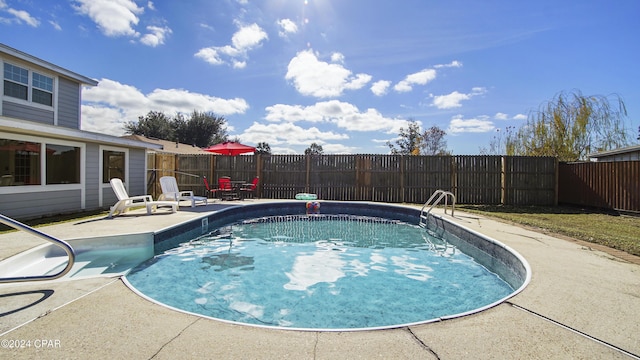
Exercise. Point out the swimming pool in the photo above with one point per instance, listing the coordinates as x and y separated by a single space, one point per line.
347 269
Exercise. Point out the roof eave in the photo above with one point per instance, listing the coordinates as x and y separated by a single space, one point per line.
47 65
33 128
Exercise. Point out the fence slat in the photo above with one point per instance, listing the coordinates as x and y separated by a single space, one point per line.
611 185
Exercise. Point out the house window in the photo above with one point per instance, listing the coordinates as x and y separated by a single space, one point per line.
20 162
42 91
63 164
112 165
16 81
16 85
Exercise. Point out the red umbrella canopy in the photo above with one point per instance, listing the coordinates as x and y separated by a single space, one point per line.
230 148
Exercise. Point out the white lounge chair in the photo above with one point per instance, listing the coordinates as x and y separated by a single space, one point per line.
171 192
125 201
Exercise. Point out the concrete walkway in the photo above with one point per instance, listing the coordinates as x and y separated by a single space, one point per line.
581 304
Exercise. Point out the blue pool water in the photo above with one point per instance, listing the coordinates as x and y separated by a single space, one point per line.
319 272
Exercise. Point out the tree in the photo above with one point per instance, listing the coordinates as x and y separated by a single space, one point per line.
433 142
571 126
502 143
413 141
409 141
201 129
263 148
314 149
153 125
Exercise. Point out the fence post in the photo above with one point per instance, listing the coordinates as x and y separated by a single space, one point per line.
212 169
503 180
556 169
453 177
402 178
258 159
308 170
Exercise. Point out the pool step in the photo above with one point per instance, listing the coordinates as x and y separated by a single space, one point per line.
87 264
42 266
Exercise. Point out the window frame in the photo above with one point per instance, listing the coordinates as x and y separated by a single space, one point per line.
31 88
43 141
107 185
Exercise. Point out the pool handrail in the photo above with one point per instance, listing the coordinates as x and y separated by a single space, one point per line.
438 195
64 245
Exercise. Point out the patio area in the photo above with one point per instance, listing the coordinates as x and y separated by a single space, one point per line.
581 303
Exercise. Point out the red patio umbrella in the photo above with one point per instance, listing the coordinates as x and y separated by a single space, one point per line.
230 148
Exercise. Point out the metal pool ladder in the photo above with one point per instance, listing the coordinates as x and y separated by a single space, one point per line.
435 198
65 246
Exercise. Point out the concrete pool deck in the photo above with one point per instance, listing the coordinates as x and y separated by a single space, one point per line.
581 303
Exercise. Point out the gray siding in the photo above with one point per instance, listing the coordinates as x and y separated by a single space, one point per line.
34 205
137 172
68 103
109 197
630 156
92 179
19 111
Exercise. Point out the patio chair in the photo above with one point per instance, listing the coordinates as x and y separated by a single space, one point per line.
170 192
225 188
210 191
125 201
250 188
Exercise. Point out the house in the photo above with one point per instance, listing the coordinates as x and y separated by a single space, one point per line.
629 153
49 166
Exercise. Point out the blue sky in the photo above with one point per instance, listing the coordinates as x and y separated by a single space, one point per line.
346 74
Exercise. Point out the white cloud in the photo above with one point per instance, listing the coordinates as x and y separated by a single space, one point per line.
313 77
210 55
245 39
287 27
342 114
19 16
419 78
449 101
481 124
287 133
113 17
24 17
381 87
337 57
360 81
55 25
501 116
156 36
248 37
454 99
454 63
108 106
239 64
329 148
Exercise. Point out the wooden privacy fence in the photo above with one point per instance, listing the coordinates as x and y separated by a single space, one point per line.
510 180
611 185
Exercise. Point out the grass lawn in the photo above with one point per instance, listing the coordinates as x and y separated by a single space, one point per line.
620 232
51 220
